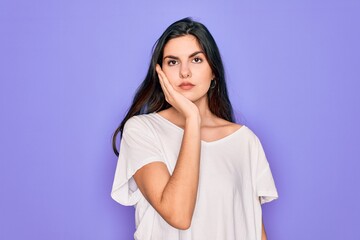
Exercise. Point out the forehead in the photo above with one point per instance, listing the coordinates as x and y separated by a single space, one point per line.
182 46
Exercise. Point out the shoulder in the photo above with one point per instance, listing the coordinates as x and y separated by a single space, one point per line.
230 127
252 138
138 120
142 124
136 123
246 131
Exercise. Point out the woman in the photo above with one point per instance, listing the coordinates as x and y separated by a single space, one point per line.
187 168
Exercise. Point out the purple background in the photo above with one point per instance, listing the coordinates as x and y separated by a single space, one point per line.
69 70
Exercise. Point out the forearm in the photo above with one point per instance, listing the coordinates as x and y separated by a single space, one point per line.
263 234
179 195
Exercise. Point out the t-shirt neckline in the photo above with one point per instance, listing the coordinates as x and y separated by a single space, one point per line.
229 136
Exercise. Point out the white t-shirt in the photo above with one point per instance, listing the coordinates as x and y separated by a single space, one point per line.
234 172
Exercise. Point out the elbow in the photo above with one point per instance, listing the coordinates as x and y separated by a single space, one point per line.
182 225
180 222
177 215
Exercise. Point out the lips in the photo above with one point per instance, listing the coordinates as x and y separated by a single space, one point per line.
186 85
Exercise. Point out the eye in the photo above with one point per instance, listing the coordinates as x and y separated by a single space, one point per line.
197 60
172 62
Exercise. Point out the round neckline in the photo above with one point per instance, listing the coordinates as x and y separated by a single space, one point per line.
204 142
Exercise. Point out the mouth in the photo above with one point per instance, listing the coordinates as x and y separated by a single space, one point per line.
186 85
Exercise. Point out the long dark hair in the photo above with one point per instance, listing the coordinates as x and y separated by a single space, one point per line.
149 96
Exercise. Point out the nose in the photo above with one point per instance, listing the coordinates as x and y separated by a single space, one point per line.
185 71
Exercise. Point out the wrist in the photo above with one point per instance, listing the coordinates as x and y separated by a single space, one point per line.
193 120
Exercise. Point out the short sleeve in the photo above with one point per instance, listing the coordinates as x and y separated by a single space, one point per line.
138 147
265 185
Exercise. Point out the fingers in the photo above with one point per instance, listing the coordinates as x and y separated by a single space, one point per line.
163 76
164 82
172 96
160 75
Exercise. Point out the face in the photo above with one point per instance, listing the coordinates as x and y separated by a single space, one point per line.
186 67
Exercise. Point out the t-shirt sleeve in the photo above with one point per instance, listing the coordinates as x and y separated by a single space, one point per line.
138 147
265 185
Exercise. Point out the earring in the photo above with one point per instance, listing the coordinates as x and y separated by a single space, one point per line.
213 84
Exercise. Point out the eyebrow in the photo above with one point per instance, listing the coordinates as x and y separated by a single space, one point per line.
191 55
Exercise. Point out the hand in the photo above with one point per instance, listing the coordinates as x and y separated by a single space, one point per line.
177 100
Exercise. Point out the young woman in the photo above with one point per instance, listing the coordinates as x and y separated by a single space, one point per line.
186 167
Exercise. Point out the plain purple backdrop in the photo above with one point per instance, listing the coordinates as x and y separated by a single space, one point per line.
68 72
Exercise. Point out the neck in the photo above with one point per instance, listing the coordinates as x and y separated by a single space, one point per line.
204 112
203 107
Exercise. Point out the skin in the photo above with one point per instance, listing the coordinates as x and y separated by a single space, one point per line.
263 232
174 196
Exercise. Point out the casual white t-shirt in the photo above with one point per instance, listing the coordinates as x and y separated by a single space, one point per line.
234 173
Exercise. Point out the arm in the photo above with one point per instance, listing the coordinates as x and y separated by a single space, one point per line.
174 197
263 233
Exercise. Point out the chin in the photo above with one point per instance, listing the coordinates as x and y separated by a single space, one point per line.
194 99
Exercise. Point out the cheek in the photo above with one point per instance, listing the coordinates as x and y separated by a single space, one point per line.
205 74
